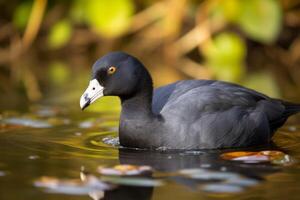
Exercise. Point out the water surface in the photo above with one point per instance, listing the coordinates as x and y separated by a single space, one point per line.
61 143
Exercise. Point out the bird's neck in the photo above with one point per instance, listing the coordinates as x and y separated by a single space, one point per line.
139 103
137 121
137 106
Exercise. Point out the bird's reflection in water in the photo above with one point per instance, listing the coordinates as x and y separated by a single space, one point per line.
193 169
128 193
202 171
170 161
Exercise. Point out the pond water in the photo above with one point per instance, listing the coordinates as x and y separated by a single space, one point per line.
58 153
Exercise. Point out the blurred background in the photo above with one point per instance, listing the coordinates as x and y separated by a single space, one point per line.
47 48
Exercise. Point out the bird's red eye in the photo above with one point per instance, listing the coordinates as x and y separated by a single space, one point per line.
111 70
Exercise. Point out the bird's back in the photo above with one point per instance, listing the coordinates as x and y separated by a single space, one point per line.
214 114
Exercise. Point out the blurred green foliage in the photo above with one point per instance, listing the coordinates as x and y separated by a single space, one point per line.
231 31
225 55
21 14
264 82
60 34
107 17
59 73
260 20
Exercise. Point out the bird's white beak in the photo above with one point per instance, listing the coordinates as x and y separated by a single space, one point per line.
91 94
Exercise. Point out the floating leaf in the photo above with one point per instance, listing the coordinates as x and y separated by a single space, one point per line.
204 174
128 170
214 176
60 34
87 124
292 128
276 157
72 186
27 122
226 182
7 126
225 55
33 157
222 188
2 173
46 112
192 171
260 19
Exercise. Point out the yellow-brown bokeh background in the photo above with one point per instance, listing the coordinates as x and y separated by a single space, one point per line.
47 47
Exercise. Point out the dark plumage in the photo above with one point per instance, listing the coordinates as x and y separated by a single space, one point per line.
189 114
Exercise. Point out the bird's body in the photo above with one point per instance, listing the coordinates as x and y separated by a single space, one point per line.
203 114
193 114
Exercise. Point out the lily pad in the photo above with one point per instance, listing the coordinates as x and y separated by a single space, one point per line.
275 157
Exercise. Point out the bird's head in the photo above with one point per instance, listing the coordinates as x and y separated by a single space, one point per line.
115 74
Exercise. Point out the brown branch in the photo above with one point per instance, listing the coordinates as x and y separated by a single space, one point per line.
194 69
147 16
31 85
34 23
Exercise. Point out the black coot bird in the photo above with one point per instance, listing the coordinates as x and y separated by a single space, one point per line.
188 114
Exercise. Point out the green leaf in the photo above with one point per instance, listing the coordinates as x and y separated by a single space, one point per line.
77 11
260 19
225 56
59 73
107 17
264 82
21 14
228 10
60 34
